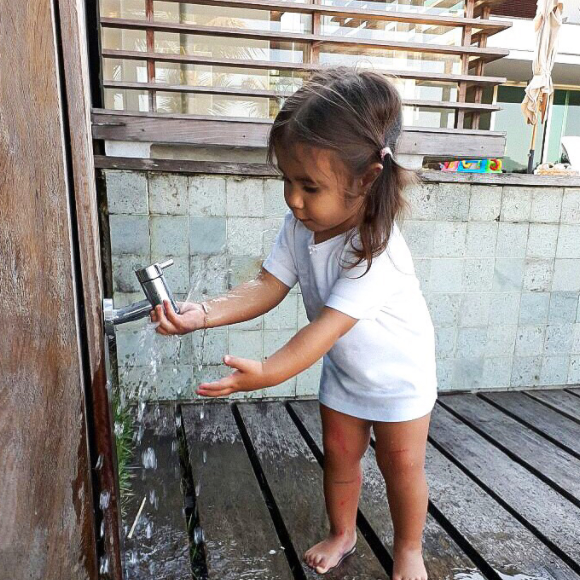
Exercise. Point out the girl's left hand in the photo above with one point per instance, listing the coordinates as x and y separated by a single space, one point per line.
248 376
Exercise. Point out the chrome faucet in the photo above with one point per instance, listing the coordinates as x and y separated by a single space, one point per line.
156 290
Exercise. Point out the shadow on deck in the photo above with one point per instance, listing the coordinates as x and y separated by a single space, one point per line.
503 472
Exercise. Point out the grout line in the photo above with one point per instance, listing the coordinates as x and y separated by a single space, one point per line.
514 457
516 515
278 521
530 426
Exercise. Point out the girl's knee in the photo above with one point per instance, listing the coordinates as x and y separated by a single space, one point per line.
400 463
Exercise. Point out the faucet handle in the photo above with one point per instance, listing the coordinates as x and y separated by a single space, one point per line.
166 264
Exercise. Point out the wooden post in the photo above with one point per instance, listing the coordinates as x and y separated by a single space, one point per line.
479 68
51 349
465 41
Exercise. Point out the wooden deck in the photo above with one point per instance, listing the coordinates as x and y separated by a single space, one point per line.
503 472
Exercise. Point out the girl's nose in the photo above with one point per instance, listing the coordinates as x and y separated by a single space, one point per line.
294 199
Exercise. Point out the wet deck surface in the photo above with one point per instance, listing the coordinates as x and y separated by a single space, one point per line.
503 471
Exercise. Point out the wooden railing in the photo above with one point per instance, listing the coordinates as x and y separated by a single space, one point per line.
470 56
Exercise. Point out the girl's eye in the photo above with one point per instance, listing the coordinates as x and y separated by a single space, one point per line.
310 189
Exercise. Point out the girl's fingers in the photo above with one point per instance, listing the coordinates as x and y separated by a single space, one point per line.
170 313
163 322
220 393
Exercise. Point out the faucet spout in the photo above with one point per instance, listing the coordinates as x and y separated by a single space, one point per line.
156 290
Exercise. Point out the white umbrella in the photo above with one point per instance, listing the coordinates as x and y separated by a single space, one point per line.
547 23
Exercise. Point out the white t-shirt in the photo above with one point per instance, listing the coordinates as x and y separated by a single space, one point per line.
383 368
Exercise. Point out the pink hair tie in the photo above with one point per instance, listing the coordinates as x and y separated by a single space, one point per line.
384 151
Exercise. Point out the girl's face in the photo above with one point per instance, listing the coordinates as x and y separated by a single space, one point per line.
315 181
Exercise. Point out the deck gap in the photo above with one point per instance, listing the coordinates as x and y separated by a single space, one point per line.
278 521
197 553
378 548
521 519
565 493
552 407
530 426
569 390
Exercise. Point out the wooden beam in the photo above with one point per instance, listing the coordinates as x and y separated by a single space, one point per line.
236 133
304 67
487 54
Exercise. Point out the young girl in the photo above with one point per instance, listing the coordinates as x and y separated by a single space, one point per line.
334 141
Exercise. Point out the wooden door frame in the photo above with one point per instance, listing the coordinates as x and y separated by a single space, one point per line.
56 441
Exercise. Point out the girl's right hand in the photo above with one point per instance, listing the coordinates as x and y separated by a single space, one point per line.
191 317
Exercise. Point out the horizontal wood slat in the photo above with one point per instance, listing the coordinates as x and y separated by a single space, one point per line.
235 91
485 54
235 132
490 26
291 66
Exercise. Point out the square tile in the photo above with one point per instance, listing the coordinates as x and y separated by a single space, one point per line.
542 241
207 235
207 196
485 203
127 192
170 235
534 307
129 234
168 193
244 197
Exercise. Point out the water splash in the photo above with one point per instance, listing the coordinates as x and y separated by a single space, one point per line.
104 500
104 565
149 458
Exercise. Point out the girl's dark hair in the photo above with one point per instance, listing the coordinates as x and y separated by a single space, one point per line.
356 114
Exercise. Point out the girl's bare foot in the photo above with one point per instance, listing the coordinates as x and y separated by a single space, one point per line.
408 564
327 554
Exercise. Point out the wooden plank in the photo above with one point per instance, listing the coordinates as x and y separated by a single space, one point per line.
500 179
440 552
558 520
185 166
239 533
559 400
559 429
295 478
508 549
492 26
47 523
262 169
159 546
304 67
243 133
272 94
544 458
77 103
488 54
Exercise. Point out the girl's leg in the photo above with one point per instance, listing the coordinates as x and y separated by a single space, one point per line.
400 450
345 440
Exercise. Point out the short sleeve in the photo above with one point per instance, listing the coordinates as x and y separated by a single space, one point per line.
281 261
362 297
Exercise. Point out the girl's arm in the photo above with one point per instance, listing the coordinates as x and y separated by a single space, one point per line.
246 301
299 353
243 302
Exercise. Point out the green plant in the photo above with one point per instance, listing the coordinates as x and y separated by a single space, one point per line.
124 427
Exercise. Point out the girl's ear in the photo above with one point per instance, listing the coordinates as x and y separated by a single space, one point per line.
370 175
